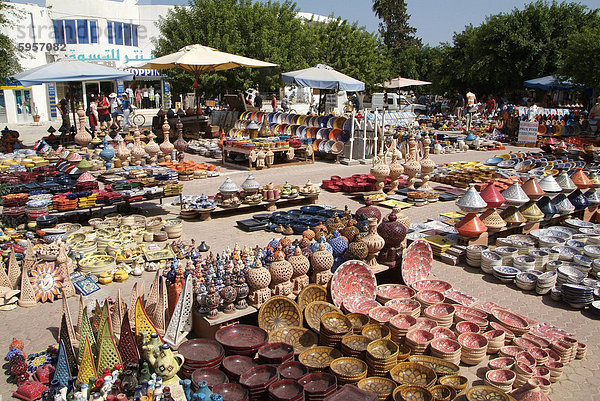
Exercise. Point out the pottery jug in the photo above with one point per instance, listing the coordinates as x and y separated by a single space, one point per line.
82 138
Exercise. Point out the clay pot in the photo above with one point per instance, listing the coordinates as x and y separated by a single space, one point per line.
492 196
392 231
322 260
357 250
368 211
532 189
374 242
470 226
581 180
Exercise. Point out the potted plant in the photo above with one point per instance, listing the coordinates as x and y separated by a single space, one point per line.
36 116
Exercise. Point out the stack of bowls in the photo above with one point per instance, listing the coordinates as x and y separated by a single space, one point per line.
428 298
526 281
355 345
406 306
413 374
387 292
200 353
545 282
474 348
442 314
211 376
241 339
426 324
446 349
358 321
348 370
318 386
508 253
490 259
508 335
581 351
382 356
418 341
495 339
235 365
549 241
502 362
443 332
505 274
502 379
524 262
376 331
568 275
399 326
524 372
592 251
577 296
334 326
382 314
563 350
540 355
466 327
556 369
511 351
378 385
552 254
540 257
474 254
275 353
286 390
553 265
258 379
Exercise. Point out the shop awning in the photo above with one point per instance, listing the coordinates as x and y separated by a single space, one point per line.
69 71
143 73
401 82
550 82
322 77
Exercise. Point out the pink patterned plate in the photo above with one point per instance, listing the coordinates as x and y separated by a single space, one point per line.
360 305
468 311
382 314
394 291
460 297
403 322
440 310
419 336
445 345
509 319
488 306
550 332
417 262
538 353
443 332
403 305
425 324
431 296
352 279
435 285
472 340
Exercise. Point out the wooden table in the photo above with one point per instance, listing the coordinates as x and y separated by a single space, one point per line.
301 156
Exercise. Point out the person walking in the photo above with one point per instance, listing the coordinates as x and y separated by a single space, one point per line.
491 105
115 108
63 107
274 103
103 107
471 108
92 112
258 101
458 105
127 109
285 104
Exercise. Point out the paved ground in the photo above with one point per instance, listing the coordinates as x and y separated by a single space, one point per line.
38 326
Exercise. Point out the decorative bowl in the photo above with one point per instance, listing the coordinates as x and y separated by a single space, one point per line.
442 393
292 370
352 278
286 389
473 341
359 305
310 294
387 292
412 393
457 382
336 323
467 327
402 322
258 376
485 393
440 310
277 352
376 331
443 332
440 367
231 391
319 358
279 311
419 336
358 321
236 365
500 376
299 338
318 383
201 351
414 374
314 311
211 375
382 349
501 363
382 314
445 345
430 297
379 385
348 368
355 342
434 285
405 306
241 337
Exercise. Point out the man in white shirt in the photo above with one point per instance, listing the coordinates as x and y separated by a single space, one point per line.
471 108
115 108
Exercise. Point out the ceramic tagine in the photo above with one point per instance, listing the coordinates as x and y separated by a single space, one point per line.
250 185
565 182
493 198
228 188
578 200
515 197
471 202
562 204
549 185
530 210
581 180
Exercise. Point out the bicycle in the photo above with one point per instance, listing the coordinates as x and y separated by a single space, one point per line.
136 119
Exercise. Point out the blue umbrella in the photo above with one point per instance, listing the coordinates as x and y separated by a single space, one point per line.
550 82
322 77
69 71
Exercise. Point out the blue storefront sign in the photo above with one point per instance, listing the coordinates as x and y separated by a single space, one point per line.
120 87
52 99
167 93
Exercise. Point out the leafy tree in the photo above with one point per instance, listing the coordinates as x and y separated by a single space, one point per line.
397 34
581 61
9 63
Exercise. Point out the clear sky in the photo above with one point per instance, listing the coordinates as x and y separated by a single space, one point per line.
435 20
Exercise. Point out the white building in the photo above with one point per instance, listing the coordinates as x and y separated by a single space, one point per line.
115 33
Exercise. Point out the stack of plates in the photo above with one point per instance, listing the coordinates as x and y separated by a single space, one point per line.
595 268
524 262
545 282
258 379
524 243
552 254
552 266
548 241
200 353
241 339
592 251
474 254
429 297
399 326
594 240
577 224
318 386
527 280
334 326
446 349
505 274
406 306
577 296
474 348
490 259
567 252
418 341
382 356
355 345
569 274
507 253
442 314
540 257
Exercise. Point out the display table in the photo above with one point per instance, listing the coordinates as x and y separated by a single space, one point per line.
204 327
301 156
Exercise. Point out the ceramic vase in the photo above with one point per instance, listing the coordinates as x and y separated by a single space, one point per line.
166 147
412 167
427 165
380 170
137 152
374 244
152 149
82 138
396 168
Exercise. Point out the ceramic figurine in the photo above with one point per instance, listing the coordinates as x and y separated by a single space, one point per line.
228 294
213 301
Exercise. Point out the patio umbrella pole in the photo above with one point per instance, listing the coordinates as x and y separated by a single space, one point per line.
71 91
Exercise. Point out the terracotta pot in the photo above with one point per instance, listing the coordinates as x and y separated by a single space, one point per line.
581 180
492 196
533 189
470 226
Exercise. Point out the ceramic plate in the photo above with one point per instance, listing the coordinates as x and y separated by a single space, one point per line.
394 291
417 262
434 285
352 279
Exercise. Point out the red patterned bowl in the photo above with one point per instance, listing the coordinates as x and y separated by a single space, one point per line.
445 345
555 365
492 334
259 377
473 341
440 310
552 355
466 310
542 343
430 296
526 358
511 350
387 292
443 332
382 314
467 327
436 285
510 319
402 322
501 376
542 371
509 334
425 324
525 343
404 305
419 336
236 365
501 363
360 305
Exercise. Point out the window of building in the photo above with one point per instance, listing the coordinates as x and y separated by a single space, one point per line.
120 33
75 31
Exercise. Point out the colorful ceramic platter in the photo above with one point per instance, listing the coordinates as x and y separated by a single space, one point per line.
417 262
352 279
460 297
279 311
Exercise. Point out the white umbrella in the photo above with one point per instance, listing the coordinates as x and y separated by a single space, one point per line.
322 77
402 82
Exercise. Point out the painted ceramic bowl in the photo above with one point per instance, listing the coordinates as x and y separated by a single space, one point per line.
352 278
336 323
435 285
443 332
500 376
201 351
405 306
382 314
417 262
412 393
467 327
481 393
279 311
379 385
211 375
376 331
382 349
440 310
231 391
501 363
286 389
457 382
275 352
403 322
348 368
356 342
314 311
299 338
473 341
445 345
259 377
319 358
358 321
360 305
292 370
318 383
310 294
387 292
412 373
440 367
430 297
